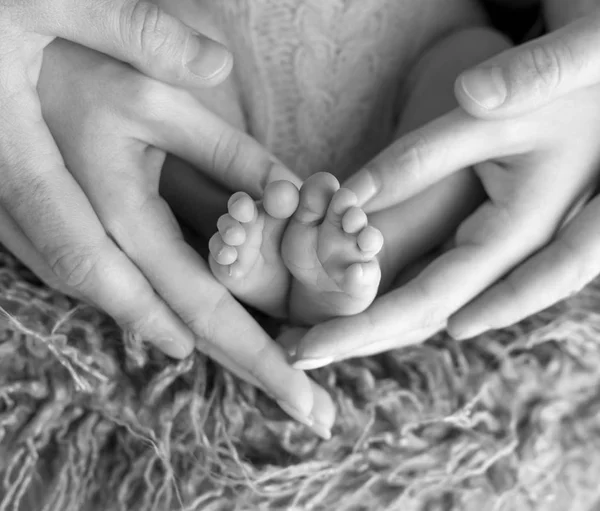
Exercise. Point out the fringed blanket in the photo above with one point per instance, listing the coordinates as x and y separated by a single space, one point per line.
92 420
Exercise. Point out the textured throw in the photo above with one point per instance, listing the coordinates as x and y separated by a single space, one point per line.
90 420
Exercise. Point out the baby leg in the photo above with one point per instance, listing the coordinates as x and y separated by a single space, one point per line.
424 222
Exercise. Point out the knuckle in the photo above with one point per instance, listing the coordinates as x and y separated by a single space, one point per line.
207 323
120 231
416 149
226 153
75 267
545 62
143 99
143 25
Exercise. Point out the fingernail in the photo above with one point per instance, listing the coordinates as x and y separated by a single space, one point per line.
172 348
468 331
293 412
485 86
280 172
306 364
363 185
207 59
323 431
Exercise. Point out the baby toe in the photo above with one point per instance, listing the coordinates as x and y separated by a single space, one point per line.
281 199
232 232
339 205
354 220
222 253
242 207
370 240
315 195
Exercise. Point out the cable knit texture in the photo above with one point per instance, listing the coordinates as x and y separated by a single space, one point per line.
92 420
319 79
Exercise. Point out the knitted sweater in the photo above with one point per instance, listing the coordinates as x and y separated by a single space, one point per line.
320 81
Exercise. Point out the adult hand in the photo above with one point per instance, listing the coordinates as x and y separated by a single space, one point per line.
532 75
520 80
535 169
39 199
113 126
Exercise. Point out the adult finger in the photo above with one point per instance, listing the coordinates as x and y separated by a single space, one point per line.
489 244
143 226
570 262
43 199
427 155
531 75
181 125
13 238
134 31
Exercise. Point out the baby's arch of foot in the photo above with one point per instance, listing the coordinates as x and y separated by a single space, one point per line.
330 251
245 252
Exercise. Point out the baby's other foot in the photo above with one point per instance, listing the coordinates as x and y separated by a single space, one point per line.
330 250
245 252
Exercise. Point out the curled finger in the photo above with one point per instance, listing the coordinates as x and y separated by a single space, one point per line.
564 267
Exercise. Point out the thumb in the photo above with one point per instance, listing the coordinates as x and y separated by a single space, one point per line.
139 33
527 77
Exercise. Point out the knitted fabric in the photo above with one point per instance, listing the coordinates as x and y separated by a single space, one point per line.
90 420
93 420
320 80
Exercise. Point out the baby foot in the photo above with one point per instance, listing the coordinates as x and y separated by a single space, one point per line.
245 252
330 250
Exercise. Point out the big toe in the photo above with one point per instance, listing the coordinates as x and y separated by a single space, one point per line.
315 195
280 199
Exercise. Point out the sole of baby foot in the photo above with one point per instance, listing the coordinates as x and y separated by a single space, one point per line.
245 252
330 250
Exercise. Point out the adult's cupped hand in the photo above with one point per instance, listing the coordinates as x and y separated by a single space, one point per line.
45 216
87 217
517 254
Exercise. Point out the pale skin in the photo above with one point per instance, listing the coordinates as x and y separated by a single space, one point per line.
522 167
115 142
314 254
79 200
536 152
29 237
